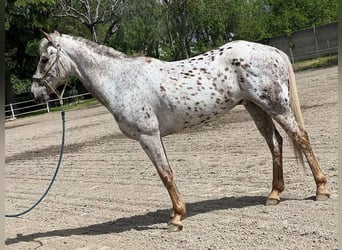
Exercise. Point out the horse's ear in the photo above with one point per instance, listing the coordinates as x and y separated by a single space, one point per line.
57 33
46 35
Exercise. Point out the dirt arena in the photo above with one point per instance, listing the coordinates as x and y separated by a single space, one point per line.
109 196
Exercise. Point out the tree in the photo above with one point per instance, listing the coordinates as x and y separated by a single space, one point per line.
177 11
252 24
99 16
22 20
289 16
141 29
213 22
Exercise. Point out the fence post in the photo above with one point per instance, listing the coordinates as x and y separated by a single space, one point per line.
291 53
330 55
316 42
12 111
47 107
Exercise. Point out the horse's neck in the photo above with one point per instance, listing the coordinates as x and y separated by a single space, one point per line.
97 72
89 66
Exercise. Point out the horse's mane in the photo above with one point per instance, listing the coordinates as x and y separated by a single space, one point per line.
100 49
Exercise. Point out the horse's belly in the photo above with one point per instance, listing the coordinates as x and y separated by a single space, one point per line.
174 117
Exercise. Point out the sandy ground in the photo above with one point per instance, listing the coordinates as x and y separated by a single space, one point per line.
109 196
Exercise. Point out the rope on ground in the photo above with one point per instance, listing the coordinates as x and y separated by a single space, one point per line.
54 176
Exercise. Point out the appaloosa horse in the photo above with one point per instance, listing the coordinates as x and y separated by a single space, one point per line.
150 98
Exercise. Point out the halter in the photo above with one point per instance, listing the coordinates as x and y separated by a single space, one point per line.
41 79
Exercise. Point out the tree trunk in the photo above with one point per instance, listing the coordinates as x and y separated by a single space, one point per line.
182 40
178 10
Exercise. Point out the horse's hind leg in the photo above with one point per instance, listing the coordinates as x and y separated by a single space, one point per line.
274 141
153 146
301 138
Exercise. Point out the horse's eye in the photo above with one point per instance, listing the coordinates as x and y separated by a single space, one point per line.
45 60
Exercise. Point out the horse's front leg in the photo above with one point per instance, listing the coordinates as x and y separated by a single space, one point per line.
153 146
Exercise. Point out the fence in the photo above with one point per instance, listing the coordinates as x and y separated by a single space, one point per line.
13 110
308 43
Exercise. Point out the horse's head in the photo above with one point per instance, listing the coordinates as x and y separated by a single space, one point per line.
52 69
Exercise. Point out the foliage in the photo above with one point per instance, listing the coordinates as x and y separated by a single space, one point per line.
22 20
100 17
289 16
214 22
139 33
20 86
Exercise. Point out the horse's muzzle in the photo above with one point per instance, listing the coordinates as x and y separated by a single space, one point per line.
39 92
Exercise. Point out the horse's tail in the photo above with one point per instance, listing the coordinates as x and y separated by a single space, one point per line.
295 106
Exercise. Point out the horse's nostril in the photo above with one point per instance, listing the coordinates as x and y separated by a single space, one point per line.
39 97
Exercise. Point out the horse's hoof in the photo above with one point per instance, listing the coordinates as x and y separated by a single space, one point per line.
322 197
272 202
174 228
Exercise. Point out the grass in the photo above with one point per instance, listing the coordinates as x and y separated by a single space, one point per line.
77 105
318 62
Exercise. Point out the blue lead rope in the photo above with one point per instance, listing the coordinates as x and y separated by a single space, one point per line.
53 178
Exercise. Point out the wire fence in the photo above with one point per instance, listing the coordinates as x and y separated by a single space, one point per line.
14 110
308 43
327 48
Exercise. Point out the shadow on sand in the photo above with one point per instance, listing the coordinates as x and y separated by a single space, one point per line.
144 221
